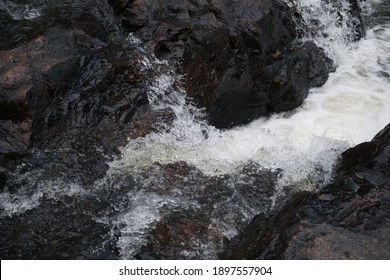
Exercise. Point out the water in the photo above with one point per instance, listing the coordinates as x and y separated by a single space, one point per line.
349 109
21 11
305 144
220 186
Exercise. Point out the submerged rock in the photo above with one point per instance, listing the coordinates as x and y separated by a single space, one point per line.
219 207
349 219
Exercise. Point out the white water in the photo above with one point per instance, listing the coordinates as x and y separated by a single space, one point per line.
349 109
305 144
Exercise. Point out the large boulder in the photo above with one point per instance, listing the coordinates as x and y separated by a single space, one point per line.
239 58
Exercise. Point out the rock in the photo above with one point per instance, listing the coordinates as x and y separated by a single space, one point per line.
282 84
348 219
356 20
219 207
72 90
3 180
68 221
55 230
238 57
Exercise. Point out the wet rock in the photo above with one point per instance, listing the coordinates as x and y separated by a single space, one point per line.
72 89
68 221
282 83
3 180
219 210
356 20
55 230
348 219
238 57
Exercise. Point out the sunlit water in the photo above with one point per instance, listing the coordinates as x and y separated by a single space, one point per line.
303 145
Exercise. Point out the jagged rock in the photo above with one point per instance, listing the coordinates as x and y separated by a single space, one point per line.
73 89
238 57
349 219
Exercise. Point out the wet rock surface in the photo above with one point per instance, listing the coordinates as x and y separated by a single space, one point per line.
221 207
239 57
69 86
72 92
349 219
55 230
68 225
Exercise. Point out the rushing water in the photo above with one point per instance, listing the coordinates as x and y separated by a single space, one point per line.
298 148
305 144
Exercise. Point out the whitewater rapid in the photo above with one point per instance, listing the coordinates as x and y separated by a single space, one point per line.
303 145
349 109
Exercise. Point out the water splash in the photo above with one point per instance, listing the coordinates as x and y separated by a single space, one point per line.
20 12
303 145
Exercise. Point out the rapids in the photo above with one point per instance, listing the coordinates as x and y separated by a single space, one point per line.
296 150
304 144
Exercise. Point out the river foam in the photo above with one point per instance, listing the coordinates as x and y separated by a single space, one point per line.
303 145
349 109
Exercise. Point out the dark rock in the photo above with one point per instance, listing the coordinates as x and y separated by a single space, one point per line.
73 89
3 180
64 225
356 20
223 205
282 84
22 21
119 5
348 219
237 57
55 230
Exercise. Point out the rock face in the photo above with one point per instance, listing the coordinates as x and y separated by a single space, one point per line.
70 85
239 57
76 82
347 220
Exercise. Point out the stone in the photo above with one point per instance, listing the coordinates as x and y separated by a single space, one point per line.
226 50
349 219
